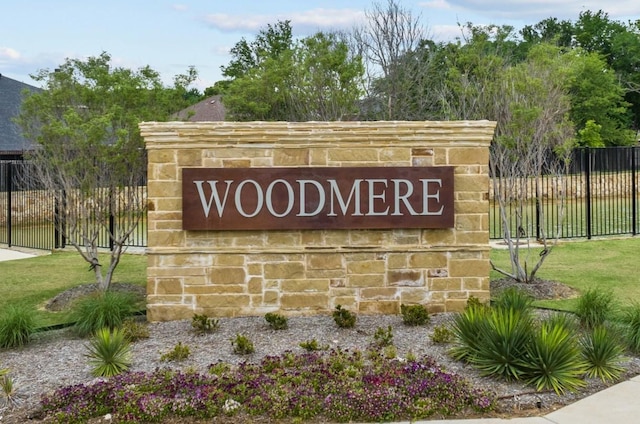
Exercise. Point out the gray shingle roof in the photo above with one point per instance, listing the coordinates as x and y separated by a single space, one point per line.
209 109
11 140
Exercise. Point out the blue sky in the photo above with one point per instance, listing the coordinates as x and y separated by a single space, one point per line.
172 35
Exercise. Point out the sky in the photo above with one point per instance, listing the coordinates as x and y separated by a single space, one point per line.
172 35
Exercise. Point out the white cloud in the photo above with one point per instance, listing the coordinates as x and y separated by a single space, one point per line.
435 4
305 22
541 9
179 7
9 53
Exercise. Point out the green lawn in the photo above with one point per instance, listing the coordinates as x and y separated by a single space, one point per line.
35 280
604 263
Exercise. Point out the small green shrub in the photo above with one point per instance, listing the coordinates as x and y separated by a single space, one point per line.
17 326
219 368
242 345
312 345
603 354
8 390
134 330
383 337
109 352
202 324
390 352
553 359
179 352
631 329
103 310
442 334
414 315
513 298
276 321
594 307
344 318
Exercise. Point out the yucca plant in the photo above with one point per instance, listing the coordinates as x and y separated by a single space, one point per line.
109 352
466 331
104 310
553 359
503 337
17 326
603 354
631 329
594 307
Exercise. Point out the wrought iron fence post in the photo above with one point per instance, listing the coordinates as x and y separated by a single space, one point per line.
112 223
9 205
634 194
587 176
59 221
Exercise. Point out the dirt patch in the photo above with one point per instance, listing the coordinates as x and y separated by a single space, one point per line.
539 289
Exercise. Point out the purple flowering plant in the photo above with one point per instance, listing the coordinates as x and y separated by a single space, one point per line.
337 385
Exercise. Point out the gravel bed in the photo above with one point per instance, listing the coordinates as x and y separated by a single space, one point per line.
57 358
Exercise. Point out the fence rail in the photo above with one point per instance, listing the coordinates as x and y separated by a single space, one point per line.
598 197
33 217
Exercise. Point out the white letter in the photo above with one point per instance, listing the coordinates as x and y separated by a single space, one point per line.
239 199
373 196
426 196
303 201
269 195
206 206
404 197
354 194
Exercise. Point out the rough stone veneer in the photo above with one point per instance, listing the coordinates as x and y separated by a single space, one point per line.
231 273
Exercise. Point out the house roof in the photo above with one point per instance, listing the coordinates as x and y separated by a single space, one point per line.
209 109
11 140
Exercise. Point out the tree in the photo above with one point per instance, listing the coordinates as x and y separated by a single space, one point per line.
89 149
277 79
534 137
390 34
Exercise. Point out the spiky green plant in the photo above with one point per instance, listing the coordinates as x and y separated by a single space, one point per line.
631 329
109 352
17 326
553 359
503 336
603 354
595 307
103 310
466 330
8 390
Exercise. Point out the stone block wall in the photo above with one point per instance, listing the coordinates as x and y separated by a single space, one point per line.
233 273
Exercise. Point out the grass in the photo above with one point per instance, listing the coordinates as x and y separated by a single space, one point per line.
606 264
32 282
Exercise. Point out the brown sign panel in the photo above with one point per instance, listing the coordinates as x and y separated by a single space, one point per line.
317 198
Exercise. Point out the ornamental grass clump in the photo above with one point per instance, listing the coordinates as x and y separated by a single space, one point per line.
102 310
631 330
17 325
595 307
290 387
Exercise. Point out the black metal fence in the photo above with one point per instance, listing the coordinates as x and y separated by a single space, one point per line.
597 196
32 217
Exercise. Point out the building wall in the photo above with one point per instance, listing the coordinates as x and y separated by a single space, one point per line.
232 273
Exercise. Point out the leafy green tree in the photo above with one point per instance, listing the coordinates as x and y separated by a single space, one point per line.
277 79
89 149
596 95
